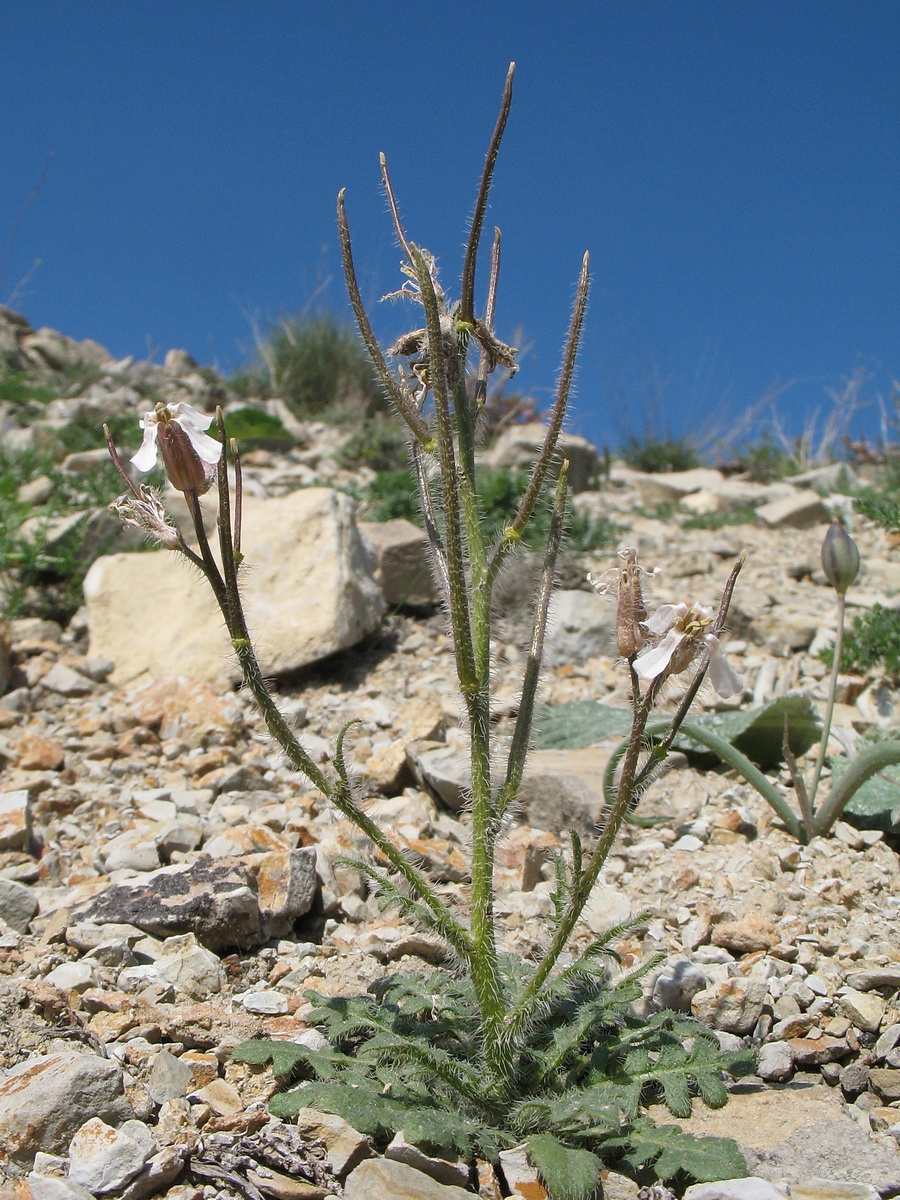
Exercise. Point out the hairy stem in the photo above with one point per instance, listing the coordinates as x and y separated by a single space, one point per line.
832 693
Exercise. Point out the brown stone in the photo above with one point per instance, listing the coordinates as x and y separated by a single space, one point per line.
746 935
36 753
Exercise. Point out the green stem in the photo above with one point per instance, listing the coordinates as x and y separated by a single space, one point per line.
734 758
872 760
832 692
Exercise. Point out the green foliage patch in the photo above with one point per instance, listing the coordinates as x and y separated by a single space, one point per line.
409 1057
317 366
394 494
654 454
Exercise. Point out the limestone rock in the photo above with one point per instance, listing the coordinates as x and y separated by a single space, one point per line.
18 904
190 968
519 445
44 1186
103 1159
802 510
379 1178
865 1009
403 567
400 1150
580 626
746 935
345 1146
775 1062
751 1188
45 1100
793 1132
563 789
15 819
308 590
735 1005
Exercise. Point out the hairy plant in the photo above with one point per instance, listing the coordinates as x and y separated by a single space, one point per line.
476 1058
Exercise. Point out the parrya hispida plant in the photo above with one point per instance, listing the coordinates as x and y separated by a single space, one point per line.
494 1050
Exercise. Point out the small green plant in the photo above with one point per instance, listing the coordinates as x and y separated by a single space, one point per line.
17 389
37 579
765 460
317 366
474 1059
875 637
499 494
253 427
654 454
743 515
874 641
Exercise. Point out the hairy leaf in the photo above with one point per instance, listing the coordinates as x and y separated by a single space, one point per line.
568 1174
671 1150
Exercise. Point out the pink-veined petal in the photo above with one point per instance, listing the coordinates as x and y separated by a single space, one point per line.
145 459
722 675
652 662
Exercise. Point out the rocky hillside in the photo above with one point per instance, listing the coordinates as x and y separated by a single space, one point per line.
168 888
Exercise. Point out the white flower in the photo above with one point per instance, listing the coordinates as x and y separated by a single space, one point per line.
677 635
177 431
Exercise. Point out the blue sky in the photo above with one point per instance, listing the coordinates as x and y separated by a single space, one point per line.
733 168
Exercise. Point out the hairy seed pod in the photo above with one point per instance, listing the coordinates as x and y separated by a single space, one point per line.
631 613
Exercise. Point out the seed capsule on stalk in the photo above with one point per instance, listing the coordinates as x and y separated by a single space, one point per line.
631 612
840 557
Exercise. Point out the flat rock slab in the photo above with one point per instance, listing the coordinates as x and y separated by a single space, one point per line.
793 1132
224 902
308 588
380 1178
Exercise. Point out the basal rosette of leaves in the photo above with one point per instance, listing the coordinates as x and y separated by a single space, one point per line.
409 1057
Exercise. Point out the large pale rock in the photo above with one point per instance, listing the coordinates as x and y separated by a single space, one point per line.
802 510
735 1005
380 1178
345 1146
563 789
518 446
581 625
103 1159
308 589
792 1133
403 565
668 487
45 1100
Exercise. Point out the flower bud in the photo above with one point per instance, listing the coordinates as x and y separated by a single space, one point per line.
840 557
185 469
